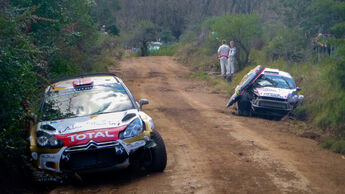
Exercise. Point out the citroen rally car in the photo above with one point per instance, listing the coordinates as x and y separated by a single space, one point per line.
266 91
91 123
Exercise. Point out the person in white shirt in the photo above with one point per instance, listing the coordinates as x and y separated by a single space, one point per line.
223 55
231 59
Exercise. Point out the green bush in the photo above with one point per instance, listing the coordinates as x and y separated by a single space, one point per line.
300 113
288 44
338 147
327 144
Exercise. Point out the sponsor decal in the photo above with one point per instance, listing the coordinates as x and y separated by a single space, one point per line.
267 90
64 130
90 135
274 92
91 123
273 95
98 135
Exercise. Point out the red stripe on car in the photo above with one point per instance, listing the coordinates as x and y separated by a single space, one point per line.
257 91
257 76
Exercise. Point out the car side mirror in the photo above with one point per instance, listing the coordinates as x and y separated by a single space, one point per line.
143 102
298 89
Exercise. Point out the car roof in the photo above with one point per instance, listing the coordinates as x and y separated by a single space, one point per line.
276 72
97 79
84 76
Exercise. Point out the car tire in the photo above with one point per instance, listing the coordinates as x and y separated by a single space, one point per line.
244 106
158 154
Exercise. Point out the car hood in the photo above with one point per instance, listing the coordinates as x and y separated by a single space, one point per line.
248 79
86 123
274 92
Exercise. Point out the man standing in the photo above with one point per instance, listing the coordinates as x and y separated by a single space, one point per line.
223 55
231 59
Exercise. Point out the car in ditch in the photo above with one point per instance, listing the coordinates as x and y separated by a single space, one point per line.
91 123
266 91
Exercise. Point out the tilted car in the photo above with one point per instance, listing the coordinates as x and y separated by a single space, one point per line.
266 91
92 122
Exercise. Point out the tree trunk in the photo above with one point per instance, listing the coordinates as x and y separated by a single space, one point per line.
242 63
144 49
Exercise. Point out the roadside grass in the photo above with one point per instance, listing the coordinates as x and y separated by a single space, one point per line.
105 59
219 86
130 54
200 75
165 50
334 144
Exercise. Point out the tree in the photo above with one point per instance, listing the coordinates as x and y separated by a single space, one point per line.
165 35
144 32
39 42
240 28
287 43
104 13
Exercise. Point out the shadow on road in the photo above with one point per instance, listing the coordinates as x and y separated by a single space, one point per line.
93 180
119 177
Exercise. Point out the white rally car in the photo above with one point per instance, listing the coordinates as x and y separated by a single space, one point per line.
91 123
266 91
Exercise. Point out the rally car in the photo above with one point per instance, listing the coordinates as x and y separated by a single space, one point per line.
266 91
91 123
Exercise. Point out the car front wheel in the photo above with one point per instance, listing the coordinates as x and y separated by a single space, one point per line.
158 154
244 106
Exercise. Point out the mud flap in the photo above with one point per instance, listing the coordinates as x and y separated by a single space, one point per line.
147 158
142 157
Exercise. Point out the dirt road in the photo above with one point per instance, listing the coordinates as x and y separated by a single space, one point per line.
211 150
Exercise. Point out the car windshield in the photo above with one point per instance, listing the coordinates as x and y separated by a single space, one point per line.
275 81
72 103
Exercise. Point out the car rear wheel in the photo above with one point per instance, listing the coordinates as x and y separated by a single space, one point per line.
158 154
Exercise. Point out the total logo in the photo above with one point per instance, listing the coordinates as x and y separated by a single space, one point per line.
90 135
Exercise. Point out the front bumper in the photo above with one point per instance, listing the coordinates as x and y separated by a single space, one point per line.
92 156
271 106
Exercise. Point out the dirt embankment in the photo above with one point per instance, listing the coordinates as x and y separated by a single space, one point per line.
212 151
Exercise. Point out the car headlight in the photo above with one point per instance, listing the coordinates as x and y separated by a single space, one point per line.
152 125
47 141
133 129
292 98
